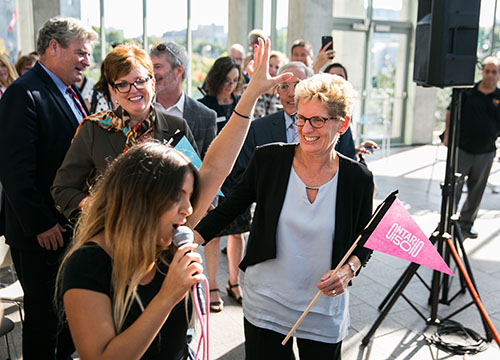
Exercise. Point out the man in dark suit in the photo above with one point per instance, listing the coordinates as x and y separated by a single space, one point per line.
39 114
171 64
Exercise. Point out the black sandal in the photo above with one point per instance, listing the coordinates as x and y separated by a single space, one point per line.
231 293
216 306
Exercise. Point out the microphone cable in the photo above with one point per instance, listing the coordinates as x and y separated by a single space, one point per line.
202 311
454 338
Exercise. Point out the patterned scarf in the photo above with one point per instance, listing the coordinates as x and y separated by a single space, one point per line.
119 121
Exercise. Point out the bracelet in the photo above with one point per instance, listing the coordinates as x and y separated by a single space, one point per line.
243 116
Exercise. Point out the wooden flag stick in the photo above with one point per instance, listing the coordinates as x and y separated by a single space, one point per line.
344 259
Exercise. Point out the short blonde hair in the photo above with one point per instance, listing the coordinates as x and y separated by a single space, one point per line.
336 94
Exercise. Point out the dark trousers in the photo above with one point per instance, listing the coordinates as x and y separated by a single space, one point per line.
263 344
42 333
475 170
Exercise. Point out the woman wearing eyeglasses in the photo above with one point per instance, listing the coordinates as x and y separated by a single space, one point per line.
123 296
101 137
311 203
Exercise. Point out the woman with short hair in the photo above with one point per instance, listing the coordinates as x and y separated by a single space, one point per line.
101 137
311 203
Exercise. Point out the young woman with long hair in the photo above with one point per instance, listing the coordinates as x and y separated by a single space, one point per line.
122 284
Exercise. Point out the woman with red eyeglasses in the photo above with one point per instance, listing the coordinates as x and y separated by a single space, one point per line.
103 136
122 294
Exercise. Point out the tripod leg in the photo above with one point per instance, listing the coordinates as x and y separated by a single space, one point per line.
458 236
446 280
491 332
395 288
459 240
404 282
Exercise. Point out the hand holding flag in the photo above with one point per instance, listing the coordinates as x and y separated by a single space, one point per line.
390 230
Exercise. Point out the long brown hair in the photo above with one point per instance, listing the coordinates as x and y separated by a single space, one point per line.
126 206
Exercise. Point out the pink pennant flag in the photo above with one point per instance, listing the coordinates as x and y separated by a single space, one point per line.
398 235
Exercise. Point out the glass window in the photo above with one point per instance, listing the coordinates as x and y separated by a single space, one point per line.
391 10
352 57
8 32
487 42
350 9
282 26
383 118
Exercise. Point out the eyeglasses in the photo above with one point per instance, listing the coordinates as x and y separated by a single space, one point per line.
316 122
163 47
286 86
125 87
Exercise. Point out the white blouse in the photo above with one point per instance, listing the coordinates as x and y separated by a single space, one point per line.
277 291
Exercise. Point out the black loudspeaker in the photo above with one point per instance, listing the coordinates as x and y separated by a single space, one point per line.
446 42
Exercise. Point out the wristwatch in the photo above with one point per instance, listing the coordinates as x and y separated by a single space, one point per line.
353 268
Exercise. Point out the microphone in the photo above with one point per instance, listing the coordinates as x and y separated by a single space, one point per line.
183 235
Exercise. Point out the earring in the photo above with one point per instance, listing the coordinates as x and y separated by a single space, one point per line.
117 102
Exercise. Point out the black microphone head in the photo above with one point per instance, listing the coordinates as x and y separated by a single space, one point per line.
183 235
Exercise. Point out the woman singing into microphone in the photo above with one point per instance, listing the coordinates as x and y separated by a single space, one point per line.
123 294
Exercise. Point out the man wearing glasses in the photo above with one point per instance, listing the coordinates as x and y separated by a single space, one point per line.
171 64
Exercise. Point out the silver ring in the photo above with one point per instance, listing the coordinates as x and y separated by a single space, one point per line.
334 292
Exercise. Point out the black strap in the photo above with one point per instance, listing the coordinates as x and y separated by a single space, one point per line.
93 102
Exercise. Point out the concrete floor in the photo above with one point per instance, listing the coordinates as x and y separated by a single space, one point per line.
402 334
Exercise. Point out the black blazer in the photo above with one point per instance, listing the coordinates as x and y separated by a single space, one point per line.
37 127
265 182
265 130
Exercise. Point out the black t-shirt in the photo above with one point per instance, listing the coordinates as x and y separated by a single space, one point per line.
90 268
480 121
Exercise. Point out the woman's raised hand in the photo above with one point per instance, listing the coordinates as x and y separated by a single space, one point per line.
261 81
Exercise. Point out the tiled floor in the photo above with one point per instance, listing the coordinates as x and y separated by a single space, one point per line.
402 334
